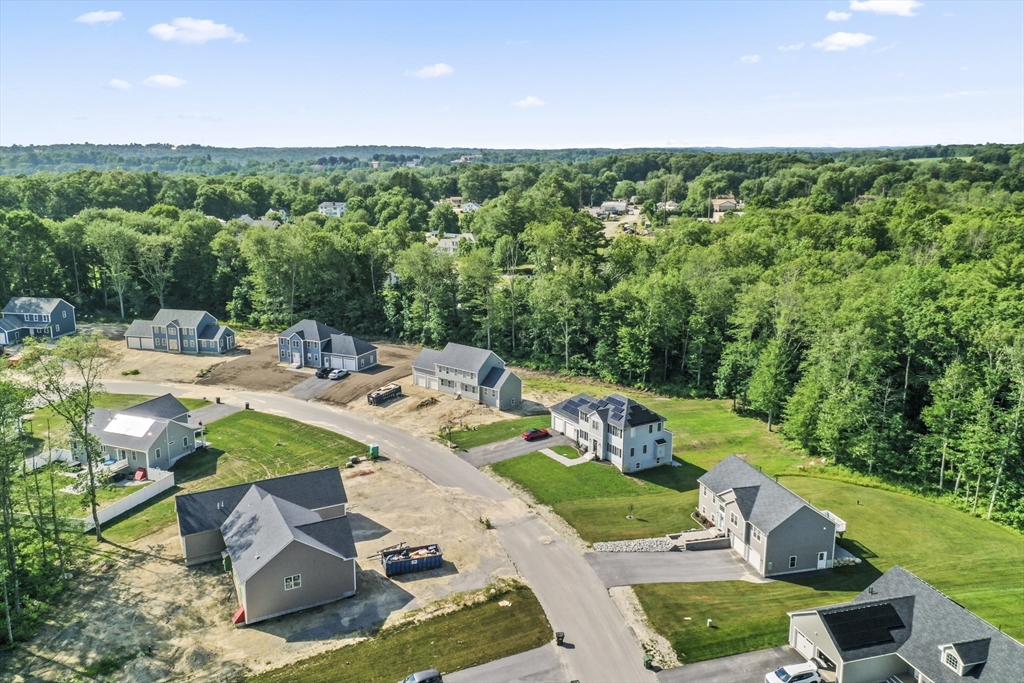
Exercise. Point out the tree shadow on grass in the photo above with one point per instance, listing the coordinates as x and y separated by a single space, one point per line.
198 465
851 578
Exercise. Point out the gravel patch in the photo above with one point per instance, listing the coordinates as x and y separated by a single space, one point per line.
640 545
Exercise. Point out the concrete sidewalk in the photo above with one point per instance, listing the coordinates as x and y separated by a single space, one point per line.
562 460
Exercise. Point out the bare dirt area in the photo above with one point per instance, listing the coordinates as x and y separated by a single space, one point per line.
425 412
394 362
144 596
258 371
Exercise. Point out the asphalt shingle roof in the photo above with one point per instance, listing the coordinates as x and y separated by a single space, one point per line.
182 317
198 512
310 330
616 409
463 357
22 305
764 502
11 324
495 378
347 345
424 362
101 418
164 407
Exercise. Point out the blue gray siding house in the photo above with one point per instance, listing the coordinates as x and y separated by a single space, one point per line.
179 331
902 629
309 343
773 529
618 429
31 316
468 372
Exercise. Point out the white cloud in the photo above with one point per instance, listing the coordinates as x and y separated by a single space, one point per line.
164 81
195 31
750 59
791 48
118 84
966 93
433 71
838 42
838 16
902 8
101 17
529 102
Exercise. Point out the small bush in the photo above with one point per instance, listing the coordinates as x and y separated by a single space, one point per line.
130 372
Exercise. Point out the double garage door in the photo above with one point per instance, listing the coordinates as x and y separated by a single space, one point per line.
140 343
424 381
747 553
343 363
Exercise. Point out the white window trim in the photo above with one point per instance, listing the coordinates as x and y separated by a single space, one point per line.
295 580
792 561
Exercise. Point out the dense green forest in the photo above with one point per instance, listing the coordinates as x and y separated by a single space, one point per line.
872 307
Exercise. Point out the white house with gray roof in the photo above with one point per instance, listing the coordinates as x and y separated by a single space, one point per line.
287 541
332 209
773 529
33 316
156 433
470 373
901 629
180 331
618 429
309 343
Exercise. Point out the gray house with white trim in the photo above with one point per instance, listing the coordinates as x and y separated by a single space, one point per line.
902 629
33 316
618 429
180 331
287 541
468 372
776 531
309 343
155 433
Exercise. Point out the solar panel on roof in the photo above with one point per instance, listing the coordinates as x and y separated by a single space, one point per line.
615 401
864 626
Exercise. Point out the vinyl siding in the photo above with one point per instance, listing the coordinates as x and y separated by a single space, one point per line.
325 578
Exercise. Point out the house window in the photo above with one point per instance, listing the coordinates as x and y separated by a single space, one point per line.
64 314
291 582
158 453
657 460
645 448
632 431
135 456
659 426
58 328
703 490
184 441
952 662
792 561
734 519
703 510
756 534
650 429
637 466
632 452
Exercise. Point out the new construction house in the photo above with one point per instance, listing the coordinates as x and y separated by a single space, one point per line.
309 343
470 373
32 316
180 331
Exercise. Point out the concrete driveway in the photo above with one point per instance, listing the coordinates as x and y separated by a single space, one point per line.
631 569
506 450
540 665
309 388
746 668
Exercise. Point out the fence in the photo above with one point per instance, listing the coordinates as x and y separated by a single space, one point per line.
44 459
162 481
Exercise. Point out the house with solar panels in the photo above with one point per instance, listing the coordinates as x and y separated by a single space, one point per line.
618 429
902 630
470 373
309 343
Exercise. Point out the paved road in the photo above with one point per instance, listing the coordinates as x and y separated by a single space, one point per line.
505 450
540 665
746 668
630 569
573 598
308 388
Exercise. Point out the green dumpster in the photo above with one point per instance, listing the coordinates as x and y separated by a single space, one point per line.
648 661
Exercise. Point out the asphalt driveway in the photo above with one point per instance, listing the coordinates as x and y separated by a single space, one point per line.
214 411
310 388
511 448
631 569
749 667
540 665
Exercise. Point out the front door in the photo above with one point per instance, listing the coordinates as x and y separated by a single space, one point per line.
172 343
721 516
296 358
822 558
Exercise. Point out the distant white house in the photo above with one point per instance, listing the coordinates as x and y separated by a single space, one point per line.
449 244
668 206
613 207
470 207
334 209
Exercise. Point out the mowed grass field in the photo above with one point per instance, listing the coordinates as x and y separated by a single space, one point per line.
458 640
246 446
497 431
976 563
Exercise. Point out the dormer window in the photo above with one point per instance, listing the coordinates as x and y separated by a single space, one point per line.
951 661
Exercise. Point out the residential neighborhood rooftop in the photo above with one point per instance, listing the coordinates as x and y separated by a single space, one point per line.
21 305
618 410
764 502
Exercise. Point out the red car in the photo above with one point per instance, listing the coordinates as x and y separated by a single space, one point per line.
534 434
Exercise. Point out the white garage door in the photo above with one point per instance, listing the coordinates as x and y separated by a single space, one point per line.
433 383
804 645
755 559
133 343
738 545
559 425
349 363
147 343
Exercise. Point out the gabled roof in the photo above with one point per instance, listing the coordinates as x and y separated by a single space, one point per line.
134 433
262 525
764 502
347 345
181 317
934 622
199 512
464 357
9 324
424 361
22 305
164 407
496 377
310 330
616 410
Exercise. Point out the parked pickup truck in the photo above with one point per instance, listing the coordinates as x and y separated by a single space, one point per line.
406 560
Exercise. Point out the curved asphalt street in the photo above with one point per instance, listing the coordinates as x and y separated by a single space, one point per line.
602 649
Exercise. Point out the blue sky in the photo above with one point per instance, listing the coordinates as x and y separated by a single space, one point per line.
488 74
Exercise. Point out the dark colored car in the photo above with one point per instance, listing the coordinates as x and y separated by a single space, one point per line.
534 434
322 373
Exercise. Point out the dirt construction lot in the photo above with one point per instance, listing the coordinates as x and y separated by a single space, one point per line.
394 362
144 595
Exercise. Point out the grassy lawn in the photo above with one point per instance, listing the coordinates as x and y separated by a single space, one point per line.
595 498
498 431
468 637
566 452
977 563
244 447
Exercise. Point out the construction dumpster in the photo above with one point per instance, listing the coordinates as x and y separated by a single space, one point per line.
383 394
406 560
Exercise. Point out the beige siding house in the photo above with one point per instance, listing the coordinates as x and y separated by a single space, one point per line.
470 373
